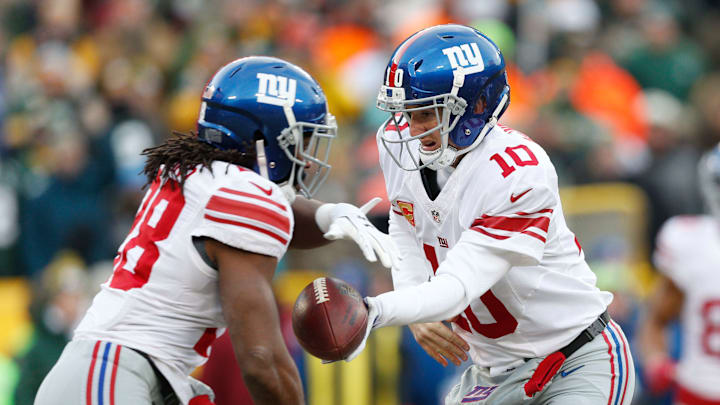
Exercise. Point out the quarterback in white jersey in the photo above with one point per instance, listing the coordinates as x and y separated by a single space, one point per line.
688 258
480 229
219 213
548 297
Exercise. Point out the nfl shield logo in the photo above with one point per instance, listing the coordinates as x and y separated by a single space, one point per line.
436 215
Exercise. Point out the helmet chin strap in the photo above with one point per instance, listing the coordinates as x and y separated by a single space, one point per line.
261 158
289 192
447 154
286 188
439 158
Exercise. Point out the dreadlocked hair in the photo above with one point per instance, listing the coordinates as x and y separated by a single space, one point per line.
182 153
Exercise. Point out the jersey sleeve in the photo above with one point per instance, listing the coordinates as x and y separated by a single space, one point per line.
514 215
251 215
412 269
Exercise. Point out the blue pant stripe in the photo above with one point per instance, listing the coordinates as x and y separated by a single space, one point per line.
620 364
101 378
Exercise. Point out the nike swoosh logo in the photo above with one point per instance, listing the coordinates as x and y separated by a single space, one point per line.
566 373
514 197
267 191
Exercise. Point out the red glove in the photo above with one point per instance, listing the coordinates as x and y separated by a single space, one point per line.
660 374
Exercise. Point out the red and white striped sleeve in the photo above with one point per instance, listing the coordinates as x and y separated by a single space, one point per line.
521 227
249 218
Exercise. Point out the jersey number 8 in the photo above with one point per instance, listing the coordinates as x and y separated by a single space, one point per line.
153 222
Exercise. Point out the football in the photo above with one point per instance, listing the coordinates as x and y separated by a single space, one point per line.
329 318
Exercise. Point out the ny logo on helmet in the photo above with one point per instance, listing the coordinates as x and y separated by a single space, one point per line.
466 57
276 90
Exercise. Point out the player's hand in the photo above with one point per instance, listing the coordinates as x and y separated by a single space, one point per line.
659 374
346 221
440 342
372 317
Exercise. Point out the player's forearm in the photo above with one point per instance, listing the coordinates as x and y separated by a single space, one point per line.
439 299
466 274
307 233
271 381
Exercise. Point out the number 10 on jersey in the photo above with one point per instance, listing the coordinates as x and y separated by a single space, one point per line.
505 323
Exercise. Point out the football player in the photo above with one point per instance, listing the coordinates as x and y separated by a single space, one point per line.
477 219
220 211
688 258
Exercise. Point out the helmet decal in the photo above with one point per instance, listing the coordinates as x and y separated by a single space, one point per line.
276 90
466 57
397 77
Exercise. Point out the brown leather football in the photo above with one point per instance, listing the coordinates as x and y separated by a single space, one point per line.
329 318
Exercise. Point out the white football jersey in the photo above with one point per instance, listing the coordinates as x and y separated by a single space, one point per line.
688 252
504 196
163 298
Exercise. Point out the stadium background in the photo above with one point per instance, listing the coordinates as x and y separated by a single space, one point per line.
623 94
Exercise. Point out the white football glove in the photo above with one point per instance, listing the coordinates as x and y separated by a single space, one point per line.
346 221
373 314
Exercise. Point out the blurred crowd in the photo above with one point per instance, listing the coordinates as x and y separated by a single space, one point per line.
615 90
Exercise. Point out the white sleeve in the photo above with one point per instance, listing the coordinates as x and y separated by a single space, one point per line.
248 218
447 294
412 269
519 229
514 214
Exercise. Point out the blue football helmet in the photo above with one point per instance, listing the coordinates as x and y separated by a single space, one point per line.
273 108
448 69
709 174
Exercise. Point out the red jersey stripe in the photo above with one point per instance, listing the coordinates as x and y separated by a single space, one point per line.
392 127
253 227
512 224
255 196
546 210
431 256
205 341
492 235
685 396
534 235
502 237
249 210
577 243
